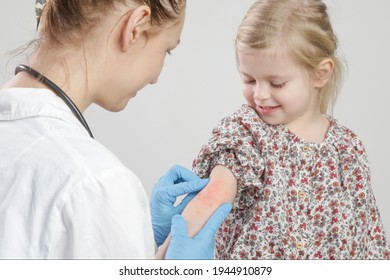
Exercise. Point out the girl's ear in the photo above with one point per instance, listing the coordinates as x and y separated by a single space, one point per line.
323 72
136 22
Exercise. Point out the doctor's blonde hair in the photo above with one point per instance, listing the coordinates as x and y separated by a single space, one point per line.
301 25
70 20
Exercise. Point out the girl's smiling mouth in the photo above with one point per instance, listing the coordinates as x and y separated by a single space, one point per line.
266 110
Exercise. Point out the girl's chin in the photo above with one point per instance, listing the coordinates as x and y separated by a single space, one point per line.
272 120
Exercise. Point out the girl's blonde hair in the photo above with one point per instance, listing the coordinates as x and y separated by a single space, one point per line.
304 27
70 20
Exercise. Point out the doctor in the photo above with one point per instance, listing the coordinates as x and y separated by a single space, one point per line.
62 194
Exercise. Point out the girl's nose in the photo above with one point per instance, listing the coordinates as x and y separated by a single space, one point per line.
261 92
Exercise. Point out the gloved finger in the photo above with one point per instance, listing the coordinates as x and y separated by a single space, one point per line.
215 221
178 173
187 187
179 226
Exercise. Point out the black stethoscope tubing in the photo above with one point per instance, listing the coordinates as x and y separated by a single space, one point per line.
58 91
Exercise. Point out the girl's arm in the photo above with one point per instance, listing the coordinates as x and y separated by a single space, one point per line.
222 188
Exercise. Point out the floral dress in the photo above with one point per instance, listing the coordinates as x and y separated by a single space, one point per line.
295 199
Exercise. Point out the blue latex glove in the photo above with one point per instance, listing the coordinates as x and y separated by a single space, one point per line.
176 182
201 246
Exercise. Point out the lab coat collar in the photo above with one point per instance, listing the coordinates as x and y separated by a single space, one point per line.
20 103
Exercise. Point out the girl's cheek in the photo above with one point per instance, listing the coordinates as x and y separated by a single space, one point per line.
248 94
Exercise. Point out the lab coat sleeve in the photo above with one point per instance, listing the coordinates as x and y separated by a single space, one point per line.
106 217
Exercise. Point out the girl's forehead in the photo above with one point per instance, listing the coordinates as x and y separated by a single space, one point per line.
271 61
266 59
272 53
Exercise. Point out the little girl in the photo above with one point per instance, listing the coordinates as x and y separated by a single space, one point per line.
299 181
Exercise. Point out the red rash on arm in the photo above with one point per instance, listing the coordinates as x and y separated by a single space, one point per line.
206 202
222 188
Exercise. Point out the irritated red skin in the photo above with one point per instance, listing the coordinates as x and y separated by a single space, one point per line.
222 188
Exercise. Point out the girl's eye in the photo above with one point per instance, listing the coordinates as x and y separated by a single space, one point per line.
249 82
278 85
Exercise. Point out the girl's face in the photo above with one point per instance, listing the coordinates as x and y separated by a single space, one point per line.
277 87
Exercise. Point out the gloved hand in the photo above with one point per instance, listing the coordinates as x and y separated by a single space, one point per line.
201 246
176 182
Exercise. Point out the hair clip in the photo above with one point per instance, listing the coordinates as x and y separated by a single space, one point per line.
39 6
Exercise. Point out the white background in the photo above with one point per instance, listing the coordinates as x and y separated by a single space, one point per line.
167 123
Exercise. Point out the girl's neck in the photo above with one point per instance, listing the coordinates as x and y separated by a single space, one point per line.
313 130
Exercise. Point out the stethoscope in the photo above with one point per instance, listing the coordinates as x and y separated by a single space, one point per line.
57 90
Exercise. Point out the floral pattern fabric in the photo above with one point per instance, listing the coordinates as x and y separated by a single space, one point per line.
295 199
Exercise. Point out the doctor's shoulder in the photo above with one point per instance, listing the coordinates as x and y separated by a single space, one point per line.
97 162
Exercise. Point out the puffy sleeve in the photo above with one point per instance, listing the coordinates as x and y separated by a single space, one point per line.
375 242
105 217
235 144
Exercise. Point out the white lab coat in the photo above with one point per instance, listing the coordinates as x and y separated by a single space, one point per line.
62 194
